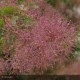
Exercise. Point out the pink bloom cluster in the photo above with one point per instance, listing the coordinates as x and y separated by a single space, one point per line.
49 41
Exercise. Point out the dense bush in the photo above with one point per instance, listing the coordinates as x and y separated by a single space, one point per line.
50 40
39 40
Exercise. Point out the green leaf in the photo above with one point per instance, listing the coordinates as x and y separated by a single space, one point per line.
1 39
1 23
1 28
2 42
8 10
77 47
20 1
52 2
27 19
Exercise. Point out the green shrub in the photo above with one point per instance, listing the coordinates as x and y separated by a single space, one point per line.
8 10
1 23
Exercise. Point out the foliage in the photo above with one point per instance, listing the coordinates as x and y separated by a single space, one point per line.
20 1
8 10
67 2
1 23
1 36
52 2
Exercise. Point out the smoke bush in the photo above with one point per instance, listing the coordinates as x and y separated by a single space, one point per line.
36 39
51 39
